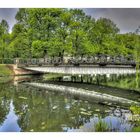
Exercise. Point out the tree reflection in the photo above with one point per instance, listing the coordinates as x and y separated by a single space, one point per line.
41 110
125 81
4 103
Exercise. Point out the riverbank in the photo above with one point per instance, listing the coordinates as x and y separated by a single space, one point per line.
13 70
124 82
5 70
6 74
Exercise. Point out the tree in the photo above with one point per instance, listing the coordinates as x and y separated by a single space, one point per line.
62 32
104 32
5 26
38 48
20 45
137 55
4 39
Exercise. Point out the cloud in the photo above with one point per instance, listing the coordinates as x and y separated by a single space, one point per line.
127 19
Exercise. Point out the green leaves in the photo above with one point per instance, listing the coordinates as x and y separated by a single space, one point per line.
63 32
38 48
4 39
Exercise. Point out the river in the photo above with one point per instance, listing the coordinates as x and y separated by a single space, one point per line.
26 108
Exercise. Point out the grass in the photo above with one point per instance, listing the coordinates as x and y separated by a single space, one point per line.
5 74
101 126
5 79
127 83
136 111
136 129
5 71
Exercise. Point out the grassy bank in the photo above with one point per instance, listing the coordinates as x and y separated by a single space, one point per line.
5 73
5 70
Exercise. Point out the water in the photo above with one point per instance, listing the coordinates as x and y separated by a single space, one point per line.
26 108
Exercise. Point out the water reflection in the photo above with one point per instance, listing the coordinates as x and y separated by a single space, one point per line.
125 81
114 123
10 123
33 109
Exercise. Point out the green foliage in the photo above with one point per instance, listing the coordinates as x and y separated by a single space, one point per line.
136 117
101 126
4 39
38 48
136 129
63 32
19 47
122 81
135 109
5 71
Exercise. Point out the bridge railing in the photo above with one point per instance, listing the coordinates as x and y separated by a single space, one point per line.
77 61
7 61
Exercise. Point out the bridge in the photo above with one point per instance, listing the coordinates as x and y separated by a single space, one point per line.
82 70
73 65
78 61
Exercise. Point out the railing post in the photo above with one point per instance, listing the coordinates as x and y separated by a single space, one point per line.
17 62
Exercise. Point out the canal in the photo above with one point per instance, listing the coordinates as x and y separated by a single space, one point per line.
25 108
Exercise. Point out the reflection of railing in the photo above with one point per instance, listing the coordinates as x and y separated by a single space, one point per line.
76 61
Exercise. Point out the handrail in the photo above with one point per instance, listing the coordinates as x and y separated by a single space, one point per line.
76 61
92 60
7 61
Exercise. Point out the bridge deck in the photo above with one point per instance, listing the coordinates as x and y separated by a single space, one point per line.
84 70
80 66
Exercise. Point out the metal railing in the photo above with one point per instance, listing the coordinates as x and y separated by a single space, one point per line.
76 61
7 61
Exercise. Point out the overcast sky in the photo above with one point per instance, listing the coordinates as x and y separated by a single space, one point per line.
126 19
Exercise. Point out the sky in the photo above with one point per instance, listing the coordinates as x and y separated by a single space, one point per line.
127 19
9 15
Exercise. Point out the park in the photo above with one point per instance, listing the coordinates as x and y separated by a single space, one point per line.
62 70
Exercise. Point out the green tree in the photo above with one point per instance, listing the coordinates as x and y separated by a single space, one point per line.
4 39
104 32
63 32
